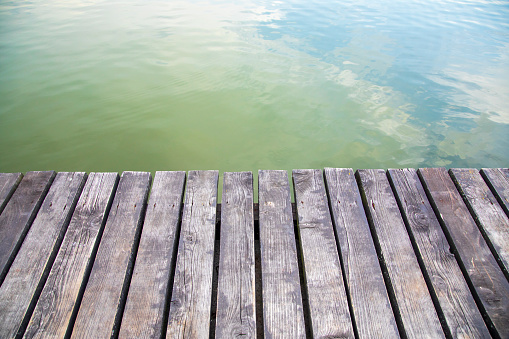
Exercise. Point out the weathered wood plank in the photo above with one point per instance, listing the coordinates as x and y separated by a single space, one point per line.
18 215
25 279
446 282
498 180
146 302
283 313
8 184
190 305
476 259
370 302
102 304
52 314
330 315
493 222
406 284
236 279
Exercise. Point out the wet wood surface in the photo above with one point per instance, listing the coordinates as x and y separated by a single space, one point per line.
379 254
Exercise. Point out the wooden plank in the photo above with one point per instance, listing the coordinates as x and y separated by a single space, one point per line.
490 217
330 315
445 280
54 308
144 314
104 297
18 215
476 259
370 302
191 298
8 184
236 279
498 180
407 288
283 313
28 272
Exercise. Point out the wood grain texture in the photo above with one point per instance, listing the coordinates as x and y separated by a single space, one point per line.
460 312
491 219
20 211
54 308
407 286
330 315
101 307
8 184
370 302
498 180
190 305
146 301
26 277
236 279
283 314
478 263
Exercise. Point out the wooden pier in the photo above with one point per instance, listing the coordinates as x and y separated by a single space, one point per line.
366 254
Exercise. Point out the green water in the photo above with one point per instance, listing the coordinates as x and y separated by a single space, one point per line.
246 85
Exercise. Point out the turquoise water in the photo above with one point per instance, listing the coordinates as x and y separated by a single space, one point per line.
104 85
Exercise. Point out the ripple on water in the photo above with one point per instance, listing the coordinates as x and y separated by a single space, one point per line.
101 85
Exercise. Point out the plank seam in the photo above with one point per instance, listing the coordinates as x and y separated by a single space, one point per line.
215 275
260 333
477 299
306 309
381 260
171 275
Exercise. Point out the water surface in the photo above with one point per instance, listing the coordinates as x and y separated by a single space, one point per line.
104 85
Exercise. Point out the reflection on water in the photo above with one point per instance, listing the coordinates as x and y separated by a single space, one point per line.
154 85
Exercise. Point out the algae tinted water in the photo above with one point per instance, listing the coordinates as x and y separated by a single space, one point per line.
105 85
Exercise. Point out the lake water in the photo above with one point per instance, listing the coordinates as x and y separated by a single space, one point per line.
105 85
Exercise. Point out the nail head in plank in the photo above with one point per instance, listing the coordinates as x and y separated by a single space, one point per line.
410 293
370 301
191 299
236 278
8 184
479 264
105 292
146 301
498 180
491 219
460 312
19 213
330 315
54 308
283 315
25 279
